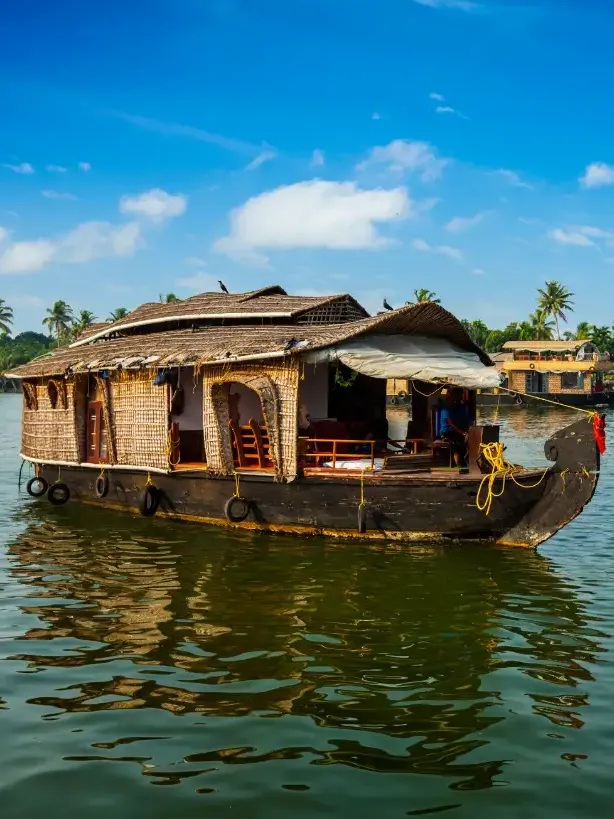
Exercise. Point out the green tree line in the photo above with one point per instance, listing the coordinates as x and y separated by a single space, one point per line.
553 304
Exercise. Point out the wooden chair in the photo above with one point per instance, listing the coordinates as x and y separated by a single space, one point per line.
251 446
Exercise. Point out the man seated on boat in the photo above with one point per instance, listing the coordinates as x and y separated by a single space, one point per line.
454 423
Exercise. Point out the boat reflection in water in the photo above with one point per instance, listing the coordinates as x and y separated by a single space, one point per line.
389 659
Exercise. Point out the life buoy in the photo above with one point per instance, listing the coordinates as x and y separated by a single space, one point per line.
36 487
362 519
236 509
148 501
531 366
591 369
102 485
58 494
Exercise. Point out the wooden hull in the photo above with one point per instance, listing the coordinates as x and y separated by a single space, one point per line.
504 399
405 507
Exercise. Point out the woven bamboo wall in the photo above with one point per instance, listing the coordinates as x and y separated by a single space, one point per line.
277 386
140 420
49 433
518 380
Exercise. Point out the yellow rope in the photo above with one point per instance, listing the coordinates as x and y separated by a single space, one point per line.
500 469
592 413
237 493
563 473
429 394
59 477
149 481
362 489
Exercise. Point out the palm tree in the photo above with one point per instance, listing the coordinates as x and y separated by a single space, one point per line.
84 320
167 298
554 300
422 294
118 314
583 331
541 327
59 319
6 317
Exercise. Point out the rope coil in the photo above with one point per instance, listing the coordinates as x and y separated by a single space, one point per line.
500 469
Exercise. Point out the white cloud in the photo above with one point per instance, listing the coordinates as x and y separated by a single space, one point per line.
155 204
3 233
265 155
595 232
88 241
598 175
26 257
477 271
200 282
27 301
445 109
458 224
84 166
375 115
570 237
462 5
444 250
317 158
55 169
96 240
511 177
336 215
49 194
23 167
404 155
438 97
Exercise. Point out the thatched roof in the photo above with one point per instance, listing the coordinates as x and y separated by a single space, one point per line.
215 344
267 303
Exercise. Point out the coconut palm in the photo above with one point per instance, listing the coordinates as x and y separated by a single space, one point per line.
118 314
554 300
6 317
422 294
583 331
58 320
84 320
167 298
540 326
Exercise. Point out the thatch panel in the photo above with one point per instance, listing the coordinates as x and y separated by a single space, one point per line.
50 433
140 421
277 386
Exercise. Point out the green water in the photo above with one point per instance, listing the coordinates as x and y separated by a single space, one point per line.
164 671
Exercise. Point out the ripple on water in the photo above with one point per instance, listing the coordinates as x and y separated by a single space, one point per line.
153 670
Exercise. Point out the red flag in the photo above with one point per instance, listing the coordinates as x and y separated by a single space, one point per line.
599 432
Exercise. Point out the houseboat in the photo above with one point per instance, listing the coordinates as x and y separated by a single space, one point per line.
266 411
568 372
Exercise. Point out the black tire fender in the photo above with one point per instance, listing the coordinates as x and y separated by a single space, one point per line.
551 451
102 486
42 487
58 494
393 400
236 509
362 519
518 401
149 500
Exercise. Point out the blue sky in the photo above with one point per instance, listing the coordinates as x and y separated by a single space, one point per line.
326 145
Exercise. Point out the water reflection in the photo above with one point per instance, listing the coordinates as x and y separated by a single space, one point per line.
383 659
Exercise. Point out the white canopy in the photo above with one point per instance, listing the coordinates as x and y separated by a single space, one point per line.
419 357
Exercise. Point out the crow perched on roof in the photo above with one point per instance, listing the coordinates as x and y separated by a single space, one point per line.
387 306
223 287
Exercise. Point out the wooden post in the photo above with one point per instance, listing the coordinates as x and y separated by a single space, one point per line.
334 454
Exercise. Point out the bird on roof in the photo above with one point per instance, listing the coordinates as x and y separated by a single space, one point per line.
223 287
386 305
289 345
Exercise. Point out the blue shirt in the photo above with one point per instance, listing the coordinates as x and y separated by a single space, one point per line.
458 415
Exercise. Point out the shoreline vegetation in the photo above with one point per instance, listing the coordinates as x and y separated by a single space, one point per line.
554 303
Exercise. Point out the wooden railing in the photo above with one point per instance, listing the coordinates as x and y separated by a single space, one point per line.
310 448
